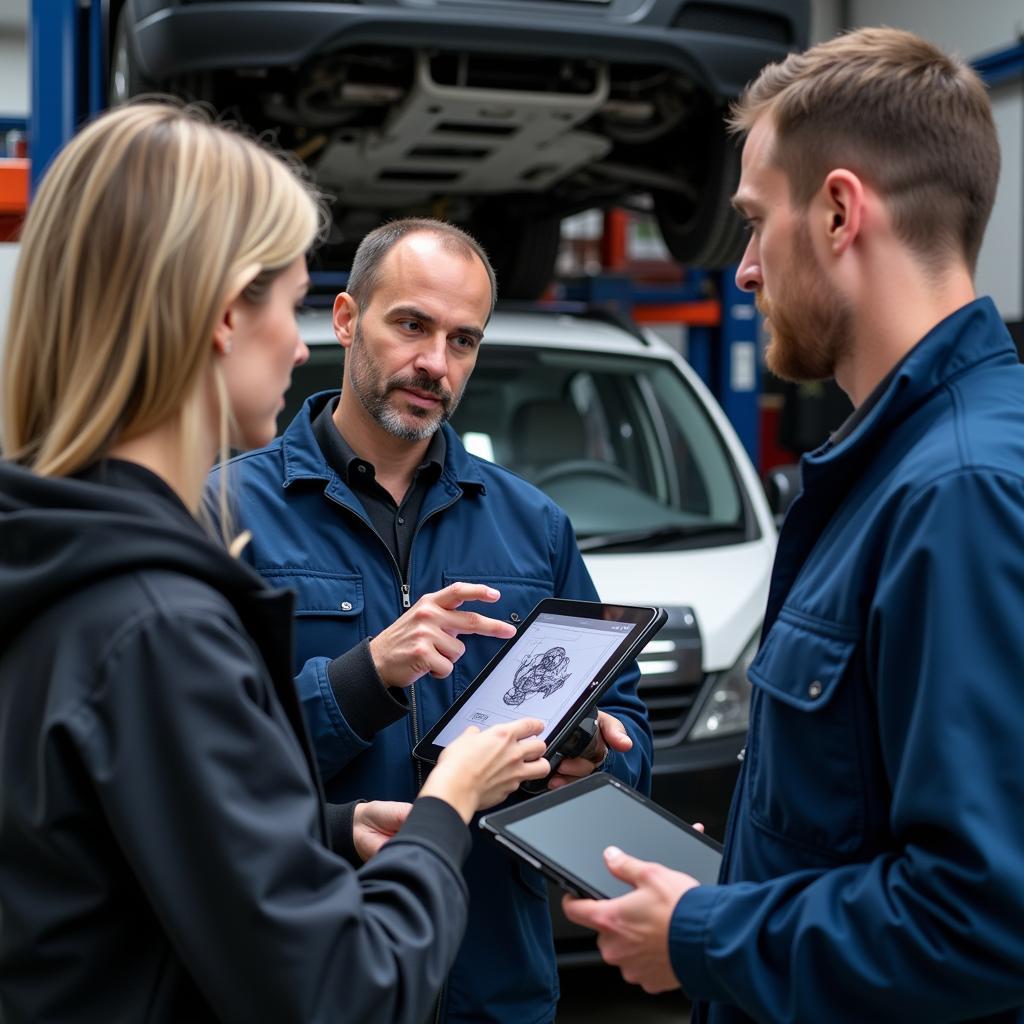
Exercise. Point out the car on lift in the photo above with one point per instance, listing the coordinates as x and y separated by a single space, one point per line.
613 424
503 116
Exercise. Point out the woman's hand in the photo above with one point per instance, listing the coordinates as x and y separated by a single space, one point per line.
480 769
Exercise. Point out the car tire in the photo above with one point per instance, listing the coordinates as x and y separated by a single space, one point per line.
522 249
705 231
125 80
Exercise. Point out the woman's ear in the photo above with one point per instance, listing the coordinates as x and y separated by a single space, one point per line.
223 333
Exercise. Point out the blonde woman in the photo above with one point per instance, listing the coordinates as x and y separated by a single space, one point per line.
164 850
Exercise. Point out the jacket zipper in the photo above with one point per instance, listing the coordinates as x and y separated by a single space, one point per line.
406 603
403 583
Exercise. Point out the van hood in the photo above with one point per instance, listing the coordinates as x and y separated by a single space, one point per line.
727 588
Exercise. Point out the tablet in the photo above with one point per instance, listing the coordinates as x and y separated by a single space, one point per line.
564 834
561 660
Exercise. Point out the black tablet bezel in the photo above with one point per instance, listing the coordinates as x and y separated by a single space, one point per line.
649 620
496 825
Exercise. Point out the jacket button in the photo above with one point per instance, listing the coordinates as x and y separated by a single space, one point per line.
345 606
814 690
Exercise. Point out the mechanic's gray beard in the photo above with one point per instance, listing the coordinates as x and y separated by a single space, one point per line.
373 392
811 326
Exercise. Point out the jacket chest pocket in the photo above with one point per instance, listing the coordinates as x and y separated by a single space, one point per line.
519 595
329 609
805 776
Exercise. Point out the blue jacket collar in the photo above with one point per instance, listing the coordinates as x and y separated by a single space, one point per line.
974 334
303 459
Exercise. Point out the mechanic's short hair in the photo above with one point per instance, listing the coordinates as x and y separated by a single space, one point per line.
365 273
914 122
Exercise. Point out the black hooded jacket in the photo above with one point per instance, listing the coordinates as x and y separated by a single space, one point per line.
164 847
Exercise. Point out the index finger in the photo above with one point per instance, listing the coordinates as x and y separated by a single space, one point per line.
456 593
481 625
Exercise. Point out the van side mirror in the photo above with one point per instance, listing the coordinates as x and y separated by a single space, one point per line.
781 485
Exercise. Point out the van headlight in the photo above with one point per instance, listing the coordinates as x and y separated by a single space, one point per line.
726 707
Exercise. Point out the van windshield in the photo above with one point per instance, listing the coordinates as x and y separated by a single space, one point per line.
624 445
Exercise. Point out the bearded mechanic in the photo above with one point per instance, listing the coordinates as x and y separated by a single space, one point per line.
410 559
873 867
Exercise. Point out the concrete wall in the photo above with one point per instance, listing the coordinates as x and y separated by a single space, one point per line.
14 64
826 19
14 87
969 29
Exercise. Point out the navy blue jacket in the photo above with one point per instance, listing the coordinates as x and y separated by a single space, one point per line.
479 523
874 865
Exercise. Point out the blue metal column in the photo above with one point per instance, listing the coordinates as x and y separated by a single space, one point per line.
700 354
97 58
738 384
55 55
1001 66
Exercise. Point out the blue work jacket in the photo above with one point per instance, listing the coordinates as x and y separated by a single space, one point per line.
874 864
479 523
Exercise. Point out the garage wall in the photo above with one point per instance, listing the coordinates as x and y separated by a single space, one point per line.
14 88
969 29
972 30
826 19
13 74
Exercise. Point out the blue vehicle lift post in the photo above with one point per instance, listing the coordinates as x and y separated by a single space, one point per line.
61 66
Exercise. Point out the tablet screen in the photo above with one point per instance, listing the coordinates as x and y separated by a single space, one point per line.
574 834
542 675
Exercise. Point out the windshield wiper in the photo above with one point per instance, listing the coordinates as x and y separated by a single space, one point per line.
601 541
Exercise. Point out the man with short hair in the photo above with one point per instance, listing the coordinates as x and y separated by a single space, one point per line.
397 542
874 863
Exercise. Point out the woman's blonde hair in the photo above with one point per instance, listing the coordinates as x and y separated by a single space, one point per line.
147 222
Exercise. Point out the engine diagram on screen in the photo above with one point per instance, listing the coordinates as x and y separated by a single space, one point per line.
538 673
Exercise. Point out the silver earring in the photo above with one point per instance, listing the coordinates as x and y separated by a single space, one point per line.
227 347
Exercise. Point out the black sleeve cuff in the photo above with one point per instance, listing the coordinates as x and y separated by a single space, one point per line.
437 824
340 825
365 702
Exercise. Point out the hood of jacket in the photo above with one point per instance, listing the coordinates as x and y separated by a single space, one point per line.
60 534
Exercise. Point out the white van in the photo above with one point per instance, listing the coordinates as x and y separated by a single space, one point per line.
619 430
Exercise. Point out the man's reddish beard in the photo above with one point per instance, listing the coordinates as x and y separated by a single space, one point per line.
811 325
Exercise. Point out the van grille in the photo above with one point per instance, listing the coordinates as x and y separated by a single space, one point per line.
671 675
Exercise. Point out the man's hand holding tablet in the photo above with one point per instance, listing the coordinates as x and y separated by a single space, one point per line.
632 930
610 735
576 837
